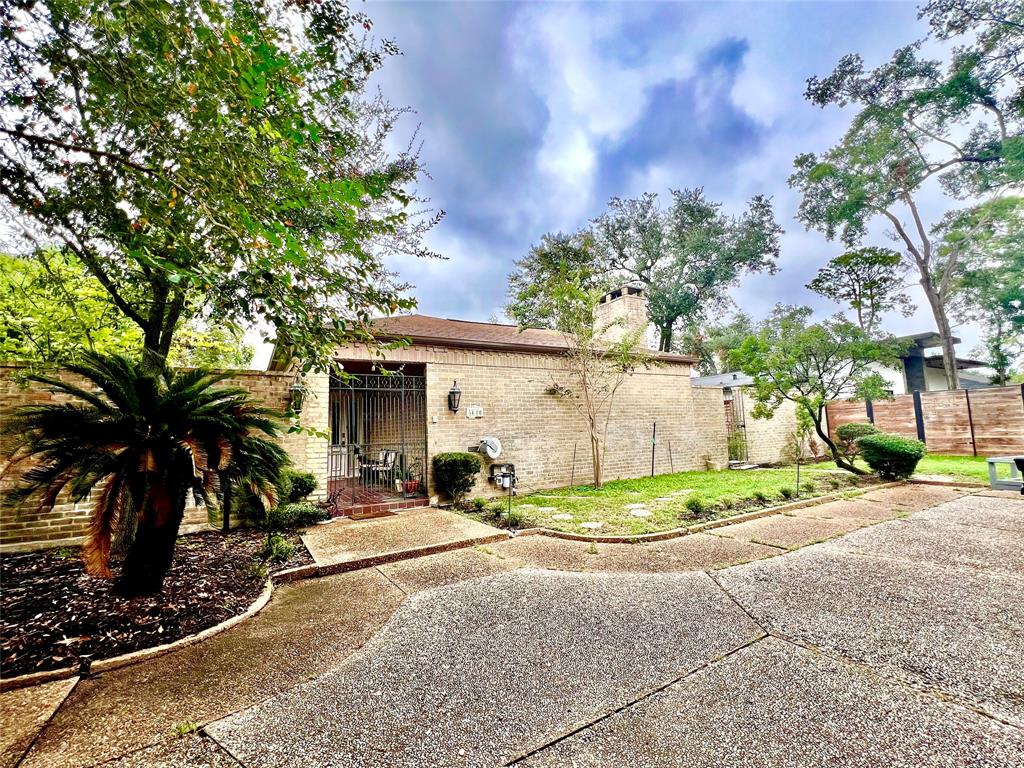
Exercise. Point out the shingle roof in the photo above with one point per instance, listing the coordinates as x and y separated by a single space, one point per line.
424 329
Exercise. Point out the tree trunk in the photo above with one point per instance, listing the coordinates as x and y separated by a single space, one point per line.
837 457
665 338
595 452
151 552
945 332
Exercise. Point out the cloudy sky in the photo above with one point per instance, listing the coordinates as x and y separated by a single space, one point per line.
533 115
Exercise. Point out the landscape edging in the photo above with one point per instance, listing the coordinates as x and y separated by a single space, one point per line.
115 662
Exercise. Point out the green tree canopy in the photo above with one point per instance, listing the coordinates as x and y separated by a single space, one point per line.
52 311
206 156
810 364
989 239
713 343
918 120
556 259
868 280
688 255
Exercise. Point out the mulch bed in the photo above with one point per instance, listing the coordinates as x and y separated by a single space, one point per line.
52 614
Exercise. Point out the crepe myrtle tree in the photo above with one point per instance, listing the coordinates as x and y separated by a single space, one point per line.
921 122
810 364
599 357
204 157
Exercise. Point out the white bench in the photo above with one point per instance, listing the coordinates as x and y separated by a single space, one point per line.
1011 483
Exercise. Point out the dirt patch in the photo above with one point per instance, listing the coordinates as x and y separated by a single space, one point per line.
52 614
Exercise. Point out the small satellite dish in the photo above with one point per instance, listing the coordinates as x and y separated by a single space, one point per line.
490 446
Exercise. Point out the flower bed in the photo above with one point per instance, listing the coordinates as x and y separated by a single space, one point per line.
52 614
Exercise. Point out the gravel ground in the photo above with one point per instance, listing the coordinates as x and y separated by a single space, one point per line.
775 704
954 628
309 628
788 532
941 543
1003 513
466 675
186 752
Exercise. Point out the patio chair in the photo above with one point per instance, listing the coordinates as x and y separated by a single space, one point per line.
379 472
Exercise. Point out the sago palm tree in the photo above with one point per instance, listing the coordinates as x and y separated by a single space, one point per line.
136 445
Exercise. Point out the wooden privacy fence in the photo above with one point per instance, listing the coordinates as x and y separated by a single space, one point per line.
964 422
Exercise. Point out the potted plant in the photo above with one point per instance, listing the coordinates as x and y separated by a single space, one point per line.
411 484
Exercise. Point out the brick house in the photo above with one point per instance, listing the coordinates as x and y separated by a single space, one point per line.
369 437
392 413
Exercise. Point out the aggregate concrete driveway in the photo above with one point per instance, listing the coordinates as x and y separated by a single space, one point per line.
897 644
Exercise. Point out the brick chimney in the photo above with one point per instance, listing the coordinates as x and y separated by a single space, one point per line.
628 304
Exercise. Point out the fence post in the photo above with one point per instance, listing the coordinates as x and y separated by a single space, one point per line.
919 415
869 407
970 422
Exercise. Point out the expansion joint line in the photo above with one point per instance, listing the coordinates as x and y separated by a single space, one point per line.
631 703
391 581
736 602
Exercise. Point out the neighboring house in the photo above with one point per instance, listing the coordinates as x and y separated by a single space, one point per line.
923 372
393 413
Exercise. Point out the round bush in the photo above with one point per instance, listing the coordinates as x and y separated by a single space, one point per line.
302 484
455 473
849 434
891 456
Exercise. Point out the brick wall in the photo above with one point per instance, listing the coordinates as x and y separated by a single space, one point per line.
540 432
66 522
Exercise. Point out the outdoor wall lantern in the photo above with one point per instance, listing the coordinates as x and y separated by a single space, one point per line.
297 392
454 396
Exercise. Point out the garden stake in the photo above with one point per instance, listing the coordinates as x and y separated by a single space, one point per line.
671 463
572 474
654 444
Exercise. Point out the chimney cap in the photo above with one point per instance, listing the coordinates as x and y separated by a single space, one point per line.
623 290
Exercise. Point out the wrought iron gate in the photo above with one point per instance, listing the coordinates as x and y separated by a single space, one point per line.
378 425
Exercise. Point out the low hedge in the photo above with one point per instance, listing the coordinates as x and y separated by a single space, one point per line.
891 456
455 472
298 514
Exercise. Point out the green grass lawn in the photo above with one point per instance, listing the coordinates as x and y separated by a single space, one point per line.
973 468
725 493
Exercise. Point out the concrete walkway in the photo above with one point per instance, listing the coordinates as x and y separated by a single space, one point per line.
346 544
897 644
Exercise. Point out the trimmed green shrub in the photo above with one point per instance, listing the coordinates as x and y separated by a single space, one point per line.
303 484
277 549
455 473
847 436
698 506
296 515
891 456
